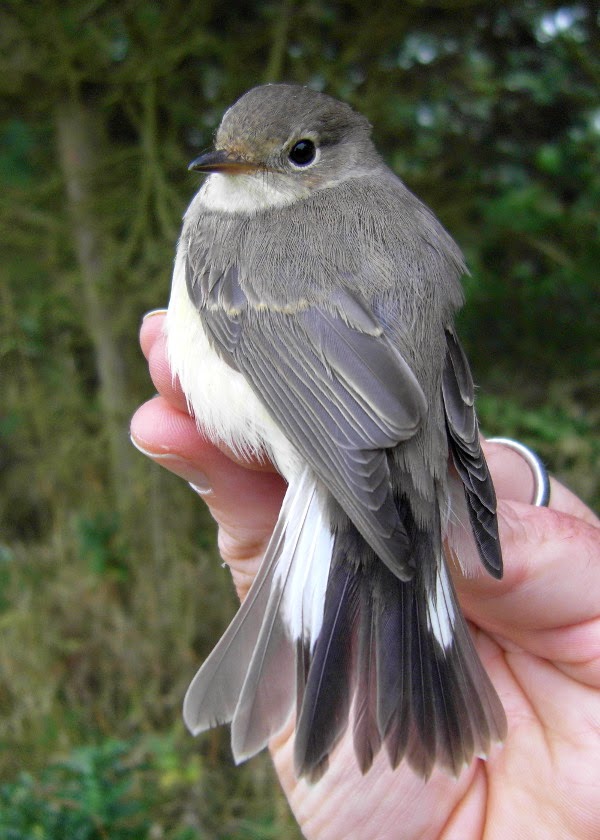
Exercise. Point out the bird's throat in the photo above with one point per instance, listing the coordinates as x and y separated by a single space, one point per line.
249 193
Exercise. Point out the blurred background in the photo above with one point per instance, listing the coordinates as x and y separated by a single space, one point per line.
110 588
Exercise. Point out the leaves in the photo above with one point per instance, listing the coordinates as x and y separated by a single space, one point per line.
88 796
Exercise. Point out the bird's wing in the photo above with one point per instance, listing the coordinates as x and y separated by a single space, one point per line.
335 385
463 436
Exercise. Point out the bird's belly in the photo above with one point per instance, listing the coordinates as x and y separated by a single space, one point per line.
225 406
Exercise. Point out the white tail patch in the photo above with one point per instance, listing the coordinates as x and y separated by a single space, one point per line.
441 613
309 541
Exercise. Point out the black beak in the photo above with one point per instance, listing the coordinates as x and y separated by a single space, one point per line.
222 161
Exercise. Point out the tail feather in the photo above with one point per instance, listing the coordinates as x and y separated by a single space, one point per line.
292 617
226 677
327 627
421 690
394 630
212 696
425 729
267 696
447 710
418 687
323 716
367 738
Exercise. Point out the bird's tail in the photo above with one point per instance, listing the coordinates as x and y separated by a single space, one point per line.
249 679
396 660
328 629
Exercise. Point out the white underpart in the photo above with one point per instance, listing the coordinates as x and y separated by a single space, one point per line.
225 407
227 410
249 193
440 608
308 545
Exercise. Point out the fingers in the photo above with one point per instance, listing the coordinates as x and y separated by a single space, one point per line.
551 560
153 344
547 603
151 327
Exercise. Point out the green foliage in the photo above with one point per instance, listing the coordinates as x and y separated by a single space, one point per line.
97 537
86 797
110 587
119 790
560 422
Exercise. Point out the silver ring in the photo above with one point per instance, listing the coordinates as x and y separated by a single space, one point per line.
541 496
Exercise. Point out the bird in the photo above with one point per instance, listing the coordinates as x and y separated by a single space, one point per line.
311 322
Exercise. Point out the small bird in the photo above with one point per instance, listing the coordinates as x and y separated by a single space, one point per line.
311 322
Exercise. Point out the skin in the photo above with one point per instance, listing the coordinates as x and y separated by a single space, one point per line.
537 632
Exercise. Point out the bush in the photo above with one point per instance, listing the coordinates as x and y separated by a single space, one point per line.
90 796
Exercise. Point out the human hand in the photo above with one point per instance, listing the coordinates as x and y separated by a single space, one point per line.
537 632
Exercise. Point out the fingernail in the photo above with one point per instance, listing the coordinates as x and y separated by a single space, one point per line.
180 466
153 312
201 489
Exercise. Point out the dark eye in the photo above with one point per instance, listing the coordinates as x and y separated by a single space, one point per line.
303 152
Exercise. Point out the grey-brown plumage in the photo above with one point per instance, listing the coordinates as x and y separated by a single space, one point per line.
312 318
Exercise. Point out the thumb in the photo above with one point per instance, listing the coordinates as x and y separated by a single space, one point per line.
514 480
551 559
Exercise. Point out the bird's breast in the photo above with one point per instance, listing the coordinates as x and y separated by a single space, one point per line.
225 407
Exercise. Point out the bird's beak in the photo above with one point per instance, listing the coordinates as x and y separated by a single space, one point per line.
222 161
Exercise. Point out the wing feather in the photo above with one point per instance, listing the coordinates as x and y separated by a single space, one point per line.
468 458
340 390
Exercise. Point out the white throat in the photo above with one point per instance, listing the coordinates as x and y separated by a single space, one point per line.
249 193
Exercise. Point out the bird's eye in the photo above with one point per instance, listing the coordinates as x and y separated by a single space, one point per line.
303 152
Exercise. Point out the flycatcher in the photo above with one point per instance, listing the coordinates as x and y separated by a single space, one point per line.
311 322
